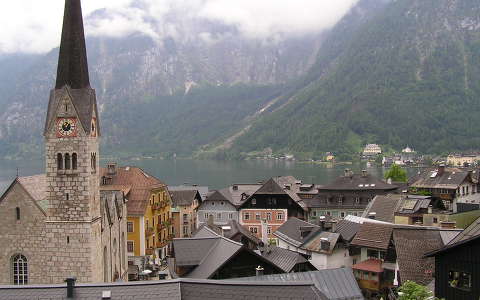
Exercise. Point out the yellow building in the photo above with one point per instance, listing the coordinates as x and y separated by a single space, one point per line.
158 222
136 186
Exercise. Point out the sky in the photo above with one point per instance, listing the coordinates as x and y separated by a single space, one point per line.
34 26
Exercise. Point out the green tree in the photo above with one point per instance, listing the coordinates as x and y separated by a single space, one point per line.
396 173
413 291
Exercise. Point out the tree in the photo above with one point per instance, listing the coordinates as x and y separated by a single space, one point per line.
396 173
413 291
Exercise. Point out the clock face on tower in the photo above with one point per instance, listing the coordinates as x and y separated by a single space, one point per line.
66 127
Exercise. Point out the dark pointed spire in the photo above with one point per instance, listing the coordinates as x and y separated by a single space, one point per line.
72 61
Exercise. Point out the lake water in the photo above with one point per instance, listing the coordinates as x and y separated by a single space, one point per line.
215 174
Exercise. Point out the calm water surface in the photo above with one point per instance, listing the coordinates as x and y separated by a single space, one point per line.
215 174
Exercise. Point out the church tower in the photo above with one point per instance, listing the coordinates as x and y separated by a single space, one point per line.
72 158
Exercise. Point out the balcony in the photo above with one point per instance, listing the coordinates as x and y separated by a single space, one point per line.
148 231
161 226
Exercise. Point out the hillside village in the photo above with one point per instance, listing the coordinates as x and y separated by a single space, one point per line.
84 231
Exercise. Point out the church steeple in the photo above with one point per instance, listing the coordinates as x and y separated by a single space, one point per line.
72 62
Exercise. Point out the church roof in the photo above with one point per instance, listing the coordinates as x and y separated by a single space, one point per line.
36 186
72 63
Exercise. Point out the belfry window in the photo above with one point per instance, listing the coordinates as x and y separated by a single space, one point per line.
17 212
19 269
74 161
59 161
67 161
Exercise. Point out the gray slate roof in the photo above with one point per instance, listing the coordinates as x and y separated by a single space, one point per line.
450 179
290 231
384 207
347 229
283 258
184 197
189 289
334 284
471 231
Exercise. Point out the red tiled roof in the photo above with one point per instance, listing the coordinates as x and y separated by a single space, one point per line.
140 184
371 265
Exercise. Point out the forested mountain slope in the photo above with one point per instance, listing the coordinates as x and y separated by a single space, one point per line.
410 75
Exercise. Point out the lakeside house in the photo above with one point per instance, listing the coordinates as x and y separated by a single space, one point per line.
346 195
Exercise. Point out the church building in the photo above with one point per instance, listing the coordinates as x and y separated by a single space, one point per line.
59 225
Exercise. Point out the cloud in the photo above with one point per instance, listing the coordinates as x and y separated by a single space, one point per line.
35 26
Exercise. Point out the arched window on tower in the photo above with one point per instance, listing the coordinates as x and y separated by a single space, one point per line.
17 213
19 269
67 161
59 161
93 162
74 161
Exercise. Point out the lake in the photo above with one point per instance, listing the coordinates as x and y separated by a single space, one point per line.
212 173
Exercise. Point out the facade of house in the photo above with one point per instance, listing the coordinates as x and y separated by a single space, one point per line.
325 250
450 186
58 224
371 150
223 204
263 222
159 230
184 212
347 195
457 266
276 193
462 160
137 186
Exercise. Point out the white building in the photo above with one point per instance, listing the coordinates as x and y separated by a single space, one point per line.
372 150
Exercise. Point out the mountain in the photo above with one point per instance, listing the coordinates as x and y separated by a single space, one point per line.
408 75
390 72
154 94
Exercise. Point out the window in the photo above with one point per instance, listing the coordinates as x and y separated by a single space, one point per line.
67 161
257 216
19 269
59 161
213 203
253 229
460 280
219 216
74 161
185 230
435 220
269 216
357 200
205 215
185 218
269 230
314 213
221 203
17 212
342 214
280 216
246 216
254 201
130 227
372 253
230 216
130 246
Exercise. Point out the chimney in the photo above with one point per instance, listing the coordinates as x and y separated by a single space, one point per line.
430 209
70 286
111 168
259 271
364 173
264 232
334 226
324 244
372 215
347 172
441 169
210 222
